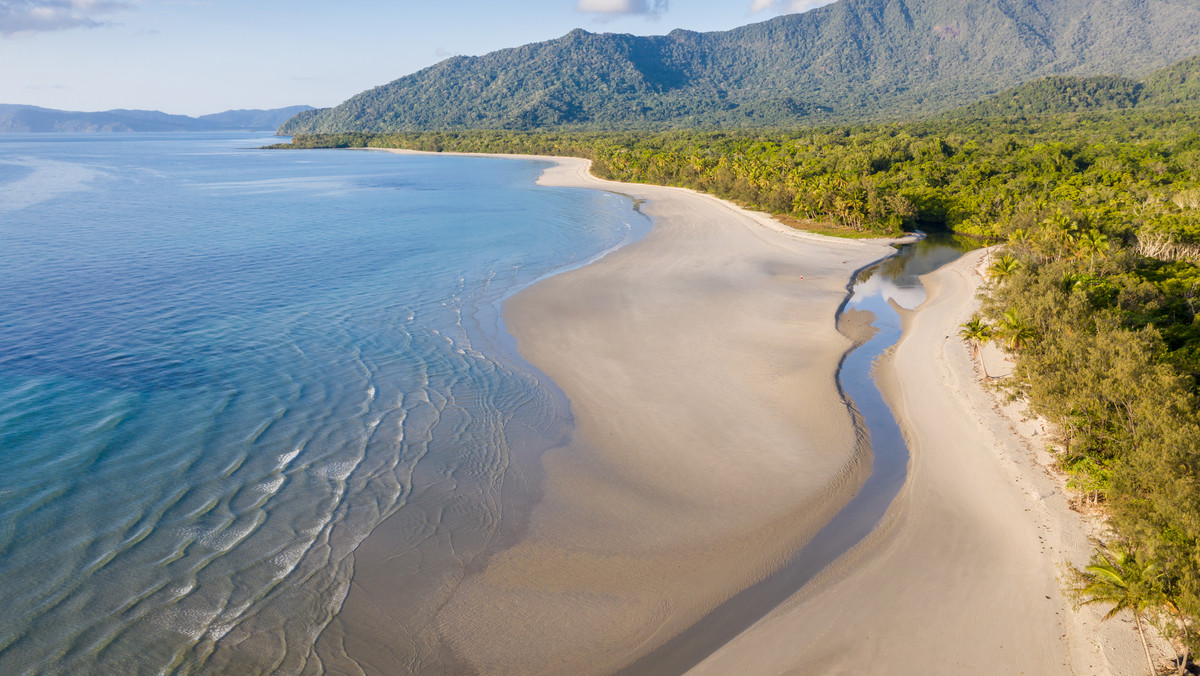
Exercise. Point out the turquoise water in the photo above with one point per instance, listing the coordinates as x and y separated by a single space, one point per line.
220 368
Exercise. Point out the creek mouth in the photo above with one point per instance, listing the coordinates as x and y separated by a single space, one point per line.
869 318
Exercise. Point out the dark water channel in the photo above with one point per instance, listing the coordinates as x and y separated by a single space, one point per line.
895 279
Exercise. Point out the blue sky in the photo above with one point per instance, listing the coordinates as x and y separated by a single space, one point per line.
204 56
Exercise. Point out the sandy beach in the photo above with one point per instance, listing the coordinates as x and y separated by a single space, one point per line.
961 576
712 443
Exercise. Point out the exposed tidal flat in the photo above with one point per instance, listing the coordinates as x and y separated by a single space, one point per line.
221 368
711 443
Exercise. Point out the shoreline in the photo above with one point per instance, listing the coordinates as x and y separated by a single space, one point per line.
620 556
969 555
710 444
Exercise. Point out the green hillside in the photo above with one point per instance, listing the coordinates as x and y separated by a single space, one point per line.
1060 94
852 60
1176 85
1173 86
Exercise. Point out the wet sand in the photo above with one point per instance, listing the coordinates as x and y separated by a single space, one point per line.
961 575
711 443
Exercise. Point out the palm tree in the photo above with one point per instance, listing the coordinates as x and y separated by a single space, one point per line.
1020 236
1045 242
976 333
1071 280
1021 240
1126 581
1058 233
1065 225
1003 267
1014 331
1092 243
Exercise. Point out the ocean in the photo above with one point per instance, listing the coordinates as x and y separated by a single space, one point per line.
222 367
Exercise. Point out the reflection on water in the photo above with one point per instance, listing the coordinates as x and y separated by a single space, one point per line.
898 278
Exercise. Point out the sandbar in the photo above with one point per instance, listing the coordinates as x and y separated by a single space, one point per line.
962 575
711 442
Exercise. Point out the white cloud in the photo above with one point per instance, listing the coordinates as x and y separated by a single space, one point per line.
649 8
786 6
36 16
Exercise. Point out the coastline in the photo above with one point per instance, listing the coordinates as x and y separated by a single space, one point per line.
690 478
711 441
968 557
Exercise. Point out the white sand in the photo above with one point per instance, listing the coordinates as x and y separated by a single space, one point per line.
961 577
712 443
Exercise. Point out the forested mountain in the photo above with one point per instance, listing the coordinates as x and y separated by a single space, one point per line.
852 60
1174 86
1179 84
18 118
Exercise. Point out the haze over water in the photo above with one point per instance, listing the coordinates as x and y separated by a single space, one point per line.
220 368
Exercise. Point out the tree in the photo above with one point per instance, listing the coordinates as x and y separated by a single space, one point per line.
1091 244
1064 226
976 332
1020 237
1014 331
1002 268
1125 581
1177 625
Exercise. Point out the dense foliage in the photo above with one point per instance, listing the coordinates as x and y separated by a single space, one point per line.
1061 94
1111 354
1174 86
850 61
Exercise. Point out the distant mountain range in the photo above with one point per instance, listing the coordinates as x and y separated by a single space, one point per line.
18 118
848 61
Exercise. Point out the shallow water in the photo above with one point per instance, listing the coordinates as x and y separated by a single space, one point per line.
220 368
894 280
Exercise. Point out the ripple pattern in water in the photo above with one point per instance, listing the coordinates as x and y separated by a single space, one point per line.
221 368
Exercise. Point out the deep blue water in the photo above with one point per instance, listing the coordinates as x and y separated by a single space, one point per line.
221 367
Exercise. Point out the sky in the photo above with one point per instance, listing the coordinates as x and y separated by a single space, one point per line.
195 57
